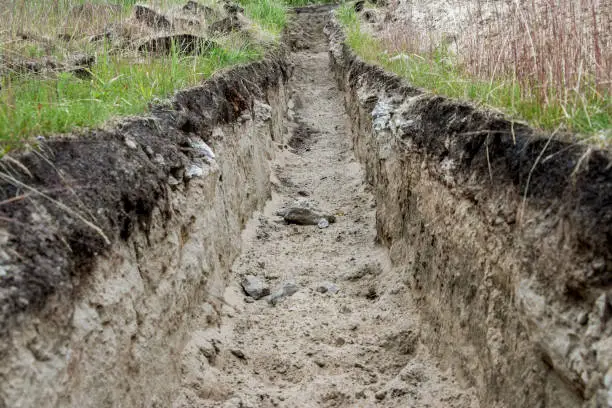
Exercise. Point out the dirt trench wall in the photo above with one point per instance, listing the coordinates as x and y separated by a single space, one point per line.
505 236
95 314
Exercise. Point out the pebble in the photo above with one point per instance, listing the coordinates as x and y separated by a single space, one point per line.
380 395
129 142
327 287
288 289
201 149
255 287
159 159
194 171
172 181
345 309
306 216
323 223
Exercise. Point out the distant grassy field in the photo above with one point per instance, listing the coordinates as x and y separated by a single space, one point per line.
514 83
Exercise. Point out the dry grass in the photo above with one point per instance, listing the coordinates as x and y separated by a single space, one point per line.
555 54
560 50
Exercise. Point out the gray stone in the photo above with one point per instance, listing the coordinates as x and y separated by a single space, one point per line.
129 142
288 289
255 287
320 363
159 159
323 223
368 269
172 181
305 216
201 149
327 287
603 308
380 395
345 309
194 171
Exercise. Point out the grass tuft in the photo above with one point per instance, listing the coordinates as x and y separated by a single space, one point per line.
270 14
31 106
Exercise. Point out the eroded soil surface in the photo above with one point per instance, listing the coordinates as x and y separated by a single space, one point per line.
348 337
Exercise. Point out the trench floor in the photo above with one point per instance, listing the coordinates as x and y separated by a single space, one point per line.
358 347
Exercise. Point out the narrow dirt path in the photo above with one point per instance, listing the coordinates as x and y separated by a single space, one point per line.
358 347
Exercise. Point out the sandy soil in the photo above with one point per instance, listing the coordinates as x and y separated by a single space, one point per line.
354 348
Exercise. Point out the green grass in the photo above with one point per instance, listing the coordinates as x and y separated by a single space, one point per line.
440 73
32 106
270 14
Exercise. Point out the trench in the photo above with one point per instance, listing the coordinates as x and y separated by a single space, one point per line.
355 344
426 290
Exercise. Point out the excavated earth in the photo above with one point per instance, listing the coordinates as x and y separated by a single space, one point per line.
457 261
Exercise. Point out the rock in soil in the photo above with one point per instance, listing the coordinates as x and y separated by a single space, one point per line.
306 216
288 289
255 287
238 353
327 287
